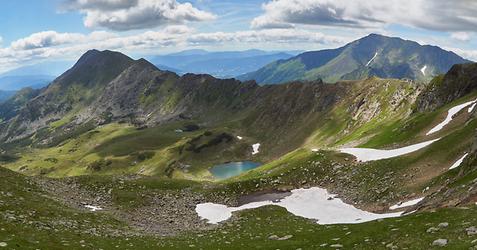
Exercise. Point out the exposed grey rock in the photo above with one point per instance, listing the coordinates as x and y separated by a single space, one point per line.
286 237
471 231
443 225
440 242
273 237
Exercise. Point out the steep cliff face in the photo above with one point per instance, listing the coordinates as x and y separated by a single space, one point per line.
458 82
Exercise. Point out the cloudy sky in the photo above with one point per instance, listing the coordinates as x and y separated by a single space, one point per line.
33 31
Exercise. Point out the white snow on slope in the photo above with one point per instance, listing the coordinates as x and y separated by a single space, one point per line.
423 69
372 59
449 117
369 154
471 107
406 204
310 203
458 162
255 148
93 208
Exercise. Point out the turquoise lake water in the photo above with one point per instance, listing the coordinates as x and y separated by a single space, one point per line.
227 170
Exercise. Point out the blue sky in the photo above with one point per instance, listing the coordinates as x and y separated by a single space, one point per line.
32 31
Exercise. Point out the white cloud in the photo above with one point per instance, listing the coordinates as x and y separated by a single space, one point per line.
61 46
461 36
45 39
441 15
265 36
124 15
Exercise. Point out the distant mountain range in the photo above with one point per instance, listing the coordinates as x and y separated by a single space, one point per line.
33 76
13 83
219 64
5 95
373 55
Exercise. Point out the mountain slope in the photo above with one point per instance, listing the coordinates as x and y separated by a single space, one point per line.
70 92
140 142
374 55
458 82
136 100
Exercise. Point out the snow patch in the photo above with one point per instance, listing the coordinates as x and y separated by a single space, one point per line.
239 137
406 204
458 162
310 203
368 154
423 69
93 208
372 59
450 115
255 148
471 108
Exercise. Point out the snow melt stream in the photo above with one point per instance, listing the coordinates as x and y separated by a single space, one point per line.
313 203
423 70
93 208
458 162
369 154
450 115
372 59
471 108
255 148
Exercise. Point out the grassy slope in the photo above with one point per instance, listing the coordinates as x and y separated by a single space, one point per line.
32 220
120 143
255 226
250 228
340 128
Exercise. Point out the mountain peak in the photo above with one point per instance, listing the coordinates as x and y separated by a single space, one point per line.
378 38
372 55
95 56
96 67
376 35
